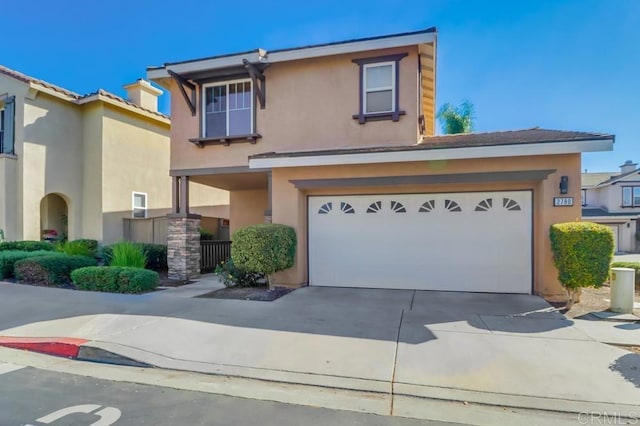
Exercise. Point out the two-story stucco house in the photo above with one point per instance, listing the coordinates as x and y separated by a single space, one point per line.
613 199
79 164
337 141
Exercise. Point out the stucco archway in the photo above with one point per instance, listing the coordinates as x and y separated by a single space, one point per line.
54 214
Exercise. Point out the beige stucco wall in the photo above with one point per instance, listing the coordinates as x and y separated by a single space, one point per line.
50 159
10 169
94 156
289 203
134 159
309 105
247 208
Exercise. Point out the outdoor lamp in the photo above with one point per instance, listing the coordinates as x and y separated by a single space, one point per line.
564 184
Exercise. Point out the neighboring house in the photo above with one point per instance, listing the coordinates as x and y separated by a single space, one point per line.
80 165
337 141
613 199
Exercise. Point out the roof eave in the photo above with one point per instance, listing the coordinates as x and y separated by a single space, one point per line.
99 97
364 45
412 155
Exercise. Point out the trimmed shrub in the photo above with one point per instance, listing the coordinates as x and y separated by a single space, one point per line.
265 248
26 246
115 279
50 270
232 276
8 258
632 265
156 255
127 254
582 252
78 247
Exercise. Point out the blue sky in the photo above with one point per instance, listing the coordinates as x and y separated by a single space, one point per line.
556 64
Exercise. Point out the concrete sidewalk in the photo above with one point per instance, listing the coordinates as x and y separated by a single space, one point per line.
493 349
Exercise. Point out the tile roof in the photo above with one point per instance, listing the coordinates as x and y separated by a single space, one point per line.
28 79
511 137
618 177
594 179
77 97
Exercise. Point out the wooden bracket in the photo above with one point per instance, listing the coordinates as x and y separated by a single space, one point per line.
182 84
258 80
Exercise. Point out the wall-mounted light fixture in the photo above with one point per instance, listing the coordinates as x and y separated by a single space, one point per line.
564 184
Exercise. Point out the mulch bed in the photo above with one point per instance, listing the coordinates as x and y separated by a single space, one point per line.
594 300
261 294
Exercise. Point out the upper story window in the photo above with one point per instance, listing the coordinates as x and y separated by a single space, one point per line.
7 108
583 197
379 88
139 206
227 109
631 196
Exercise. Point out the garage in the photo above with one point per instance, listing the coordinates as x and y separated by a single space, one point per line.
468 241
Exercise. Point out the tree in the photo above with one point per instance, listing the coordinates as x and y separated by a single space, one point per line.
456 119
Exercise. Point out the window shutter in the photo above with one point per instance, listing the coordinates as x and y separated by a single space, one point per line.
9 124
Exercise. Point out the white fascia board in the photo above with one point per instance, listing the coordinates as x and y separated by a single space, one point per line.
293 54
616 219
546 148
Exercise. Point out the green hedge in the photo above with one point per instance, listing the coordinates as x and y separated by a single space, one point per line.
115 279
156 255
50 270
26 246
8 258
582 252
264 248
632 265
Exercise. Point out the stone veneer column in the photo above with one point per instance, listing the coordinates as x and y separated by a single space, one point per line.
183 246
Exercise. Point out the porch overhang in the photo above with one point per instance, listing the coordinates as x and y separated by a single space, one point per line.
227 178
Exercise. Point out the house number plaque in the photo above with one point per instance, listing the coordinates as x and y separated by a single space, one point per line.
562 201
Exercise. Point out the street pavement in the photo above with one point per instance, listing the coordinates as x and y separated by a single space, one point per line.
379 351
36 397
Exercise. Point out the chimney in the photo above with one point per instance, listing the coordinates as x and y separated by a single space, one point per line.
143 94
627 167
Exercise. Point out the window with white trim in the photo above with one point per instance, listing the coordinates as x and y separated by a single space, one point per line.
227 109
378 92
139 204
631 196
583 198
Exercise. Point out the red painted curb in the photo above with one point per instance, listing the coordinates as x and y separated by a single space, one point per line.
67 347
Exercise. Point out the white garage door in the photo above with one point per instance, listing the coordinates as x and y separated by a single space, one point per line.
478 241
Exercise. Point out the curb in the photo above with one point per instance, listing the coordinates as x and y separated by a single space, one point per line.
69 347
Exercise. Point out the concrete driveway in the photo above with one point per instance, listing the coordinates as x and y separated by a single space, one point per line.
497 349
